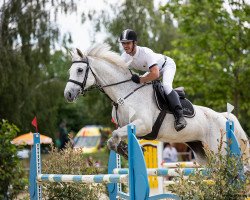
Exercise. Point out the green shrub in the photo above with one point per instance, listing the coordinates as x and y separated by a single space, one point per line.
222 180
11 170
70 161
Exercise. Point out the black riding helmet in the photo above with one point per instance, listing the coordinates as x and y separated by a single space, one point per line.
128 35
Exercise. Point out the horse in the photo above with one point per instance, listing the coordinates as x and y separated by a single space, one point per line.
101 68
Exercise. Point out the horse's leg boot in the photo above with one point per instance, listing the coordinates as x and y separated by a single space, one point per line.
122 149
176 108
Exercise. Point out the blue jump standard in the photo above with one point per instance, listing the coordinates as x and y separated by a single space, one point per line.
138 178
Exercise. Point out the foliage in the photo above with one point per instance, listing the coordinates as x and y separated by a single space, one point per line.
28 85
33 75
212 52
70 161
220 182
154 30
11 170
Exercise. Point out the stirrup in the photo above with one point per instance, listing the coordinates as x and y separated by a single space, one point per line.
179 127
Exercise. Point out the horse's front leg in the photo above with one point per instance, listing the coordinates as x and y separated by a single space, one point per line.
115 142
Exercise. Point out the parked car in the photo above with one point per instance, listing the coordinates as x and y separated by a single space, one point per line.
88 139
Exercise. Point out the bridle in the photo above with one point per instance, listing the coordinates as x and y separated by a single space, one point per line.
98 86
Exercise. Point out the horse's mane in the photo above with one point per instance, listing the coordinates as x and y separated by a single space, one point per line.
102 51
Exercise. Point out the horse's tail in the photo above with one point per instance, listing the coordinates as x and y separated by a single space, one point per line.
241 137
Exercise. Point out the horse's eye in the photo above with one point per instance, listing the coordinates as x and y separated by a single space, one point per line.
79 70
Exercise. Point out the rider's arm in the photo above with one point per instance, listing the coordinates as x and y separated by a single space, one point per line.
153 74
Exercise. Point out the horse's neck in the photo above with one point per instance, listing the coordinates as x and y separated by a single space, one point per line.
108 73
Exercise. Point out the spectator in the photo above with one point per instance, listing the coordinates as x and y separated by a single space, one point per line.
63 134
169 153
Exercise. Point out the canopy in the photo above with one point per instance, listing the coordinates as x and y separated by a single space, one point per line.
89 131
27 139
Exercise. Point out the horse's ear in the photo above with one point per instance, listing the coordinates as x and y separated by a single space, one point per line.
79 52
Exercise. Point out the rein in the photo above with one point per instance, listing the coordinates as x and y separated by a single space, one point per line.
82 85
120 101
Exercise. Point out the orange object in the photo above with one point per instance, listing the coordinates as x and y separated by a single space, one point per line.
27 139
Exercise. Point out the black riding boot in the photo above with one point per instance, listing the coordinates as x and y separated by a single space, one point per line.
176 108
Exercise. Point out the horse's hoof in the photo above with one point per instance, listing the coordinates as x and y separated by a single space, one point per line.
111 145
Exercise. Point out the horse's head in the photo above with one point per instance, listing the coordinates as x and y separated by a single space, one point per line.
81 76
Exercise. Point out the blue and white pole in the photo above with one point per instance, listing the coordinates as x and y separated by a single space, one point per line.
35 189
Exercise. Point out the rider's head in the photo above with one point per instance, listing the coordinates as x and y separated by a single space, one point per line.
128 38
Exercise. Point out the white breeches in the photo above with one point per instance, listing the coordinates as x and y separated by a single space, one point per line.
168 73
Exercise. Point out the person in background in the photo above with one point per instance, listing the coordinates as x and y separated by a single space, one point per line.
169 153
63 134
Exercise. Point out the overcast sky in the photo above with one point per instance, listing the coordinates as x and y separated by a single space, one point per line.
82 33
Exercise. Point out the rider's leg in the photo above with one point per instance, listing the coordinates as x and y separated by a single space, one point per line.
176 108
172 96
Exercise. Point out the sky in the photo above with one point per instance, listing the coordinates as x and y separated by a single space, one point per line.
82 33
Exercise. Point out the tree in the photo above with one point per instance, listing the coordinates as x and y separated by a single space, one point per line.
154 29
12 173
27 38
213 52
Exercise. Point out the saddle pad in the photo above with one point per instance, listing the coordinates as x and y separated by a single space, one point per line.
188 108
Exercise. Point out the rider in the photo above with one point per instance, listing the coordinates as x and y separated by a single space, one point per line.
144 59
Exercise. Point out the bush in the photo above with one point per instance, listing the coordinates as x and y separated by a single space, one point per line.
221 182
70 161
11 170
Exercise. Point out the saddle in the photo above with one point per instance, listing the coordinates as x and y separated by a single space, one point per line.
162 102
163 105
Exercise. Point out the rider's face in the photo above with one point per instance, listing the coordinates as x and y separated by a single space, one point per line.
128 47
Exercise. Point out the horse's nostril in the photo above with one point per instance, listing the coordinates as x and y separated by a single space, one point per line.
69 94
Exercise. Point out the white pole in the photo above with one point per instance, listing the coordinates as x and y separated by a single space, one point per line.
159 158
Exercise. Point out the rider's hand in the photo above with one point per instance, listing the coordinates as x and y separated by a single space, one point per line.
135 78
